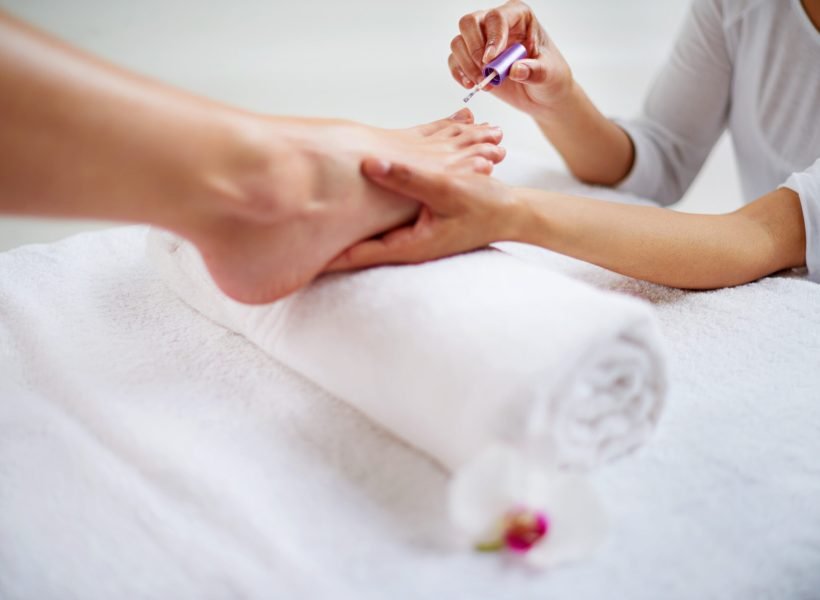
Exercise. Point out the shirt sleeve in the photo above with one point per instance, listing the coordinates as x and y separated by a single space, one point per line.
686 109
806 184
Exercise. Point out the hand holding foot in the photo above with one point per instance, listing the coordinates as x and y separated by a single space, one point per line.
458 214
281 219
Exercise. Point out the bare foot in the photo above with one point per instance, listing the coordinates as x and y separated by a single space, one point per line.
302 200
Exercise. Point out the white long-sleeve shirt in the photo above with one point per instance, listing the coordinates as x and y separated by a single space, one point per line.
752 66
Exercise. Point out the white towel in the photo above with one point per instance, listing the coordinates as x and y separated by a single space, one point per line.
459 353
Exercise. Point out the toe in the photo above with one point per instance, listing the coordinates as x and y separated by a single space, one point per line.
452 130
471 164
489 151
479 135
483 166
464 116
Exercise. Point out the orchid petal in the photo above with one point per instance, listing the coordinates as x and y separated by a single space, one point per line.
484 489
578 521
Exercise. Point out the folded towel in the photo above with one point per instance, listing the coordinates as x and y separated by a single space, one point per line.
460 353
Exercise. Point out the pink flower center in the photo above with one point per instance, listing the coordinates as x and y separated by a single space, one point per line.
523 528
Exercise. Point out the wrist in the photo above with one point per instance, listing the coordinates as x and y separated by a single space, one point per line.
518 217
560 106
529 222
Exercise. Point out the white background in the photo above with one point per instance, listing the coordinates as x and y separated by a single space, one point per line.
378 61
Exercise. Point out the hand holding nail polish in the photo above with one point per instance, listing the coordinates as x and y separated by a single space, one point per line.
497 70
509 43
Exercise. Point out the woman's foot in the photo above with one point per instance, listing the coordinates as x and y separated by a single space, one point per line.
298 198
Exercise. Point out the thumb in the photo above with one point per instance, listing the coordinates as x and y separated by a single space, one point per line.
360 256
528 70
431 189
402 245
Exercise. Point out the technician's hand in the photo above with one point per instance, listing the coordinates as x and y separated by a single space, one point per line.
536 83
459 213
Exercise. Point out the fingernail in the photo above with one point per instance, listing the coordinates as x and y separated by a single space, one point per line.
488 53
520 72
465 81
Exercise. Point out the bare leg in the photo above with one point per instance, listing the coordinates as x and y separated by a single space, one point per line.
269 201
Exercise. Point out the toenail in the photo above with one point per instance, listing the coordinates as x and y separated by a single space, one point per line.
461 115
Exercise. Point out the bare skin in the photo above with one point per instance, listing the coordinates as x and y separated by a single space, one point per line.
268 200
655 244
595 149
812 8
281 248
464 212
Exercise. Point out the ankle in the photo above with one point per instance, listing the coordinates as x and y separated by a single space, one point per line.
253 175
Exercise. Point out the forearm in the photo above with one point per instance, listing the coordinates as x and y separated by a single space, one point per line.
82 138
594 148
666 247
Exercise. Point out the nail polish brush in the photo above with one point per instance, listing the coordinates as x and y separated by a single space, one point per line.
497 70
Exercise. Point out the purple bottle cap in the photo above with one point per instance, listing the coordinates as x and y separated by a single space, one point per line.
503 62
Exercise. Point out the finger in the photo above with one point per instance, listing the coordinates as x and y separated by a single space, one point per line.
457 73
361 255
470 28
512 22
497 34
529 70
459 49
535 37
402 245
429 188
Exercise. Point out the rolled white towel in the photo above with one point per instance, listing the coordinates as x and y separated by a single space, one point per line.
458 354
